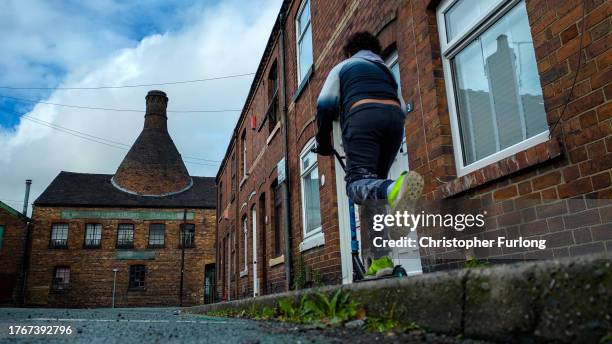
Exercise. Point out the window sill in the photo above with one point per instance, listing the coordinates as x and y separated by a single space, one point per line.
303 84
312 241
244 273
273 133
92 247
530 157
125 247
276 261
137 289
156 247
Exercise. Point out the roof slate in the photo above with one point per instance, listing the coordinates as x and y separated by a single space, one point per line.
85 189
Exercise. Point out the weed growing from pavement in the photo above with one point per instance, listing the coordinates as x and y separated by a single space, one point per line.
475 263
321 310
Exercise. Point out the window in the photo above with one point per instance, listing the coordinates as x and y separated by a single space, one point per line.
220 207
137 276
233 248
304 40
311 209
495 97
59 235
125 236
188 235
233 169
61 278
243 143
245 244
1 236
272 112
93 235
157 233
278 220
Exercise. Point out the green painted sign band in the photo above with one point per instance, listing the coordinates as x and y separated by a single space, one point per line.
125 215
135 255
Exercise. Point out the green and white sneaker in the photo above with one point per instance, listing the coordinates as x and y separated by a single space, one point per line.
382 266
405 191
407 187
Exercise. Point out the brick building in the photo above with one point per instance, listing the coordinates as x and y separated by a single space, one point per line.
487 82
13 237
150 221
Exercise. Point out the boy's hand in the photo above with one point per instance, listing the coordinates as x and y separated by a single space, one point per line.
326 150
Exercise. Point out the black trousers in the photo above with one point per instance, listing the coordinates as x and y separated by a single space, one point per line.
371 134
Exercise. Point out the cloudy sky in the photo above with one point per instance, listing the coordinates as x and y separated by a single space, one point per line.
63 44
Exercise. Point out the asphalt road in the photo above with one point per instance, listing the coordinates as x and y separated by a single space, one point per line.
162 325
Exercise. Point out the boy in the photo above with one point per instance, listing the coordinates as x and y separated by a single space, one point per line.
362 91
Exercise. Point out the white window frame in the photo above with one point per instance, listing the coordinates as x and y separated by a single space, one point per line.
245 234
451 49
315 237
299 35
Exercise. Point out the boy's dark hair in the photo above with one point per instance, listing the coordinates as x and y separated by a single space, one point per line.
362 40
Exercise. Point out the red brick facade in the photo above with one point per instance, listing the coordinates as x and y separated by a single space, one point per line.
13 236
575 162
91 269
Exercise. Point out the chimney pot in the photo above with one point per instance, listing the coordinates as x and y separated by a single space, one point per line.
156 115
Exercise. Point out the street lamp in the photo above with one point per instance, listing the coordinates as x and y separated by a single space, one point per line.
115 270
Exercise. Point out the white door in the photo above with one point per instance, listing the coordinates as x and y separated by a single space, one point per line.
343 211
228 263
408 258
255 278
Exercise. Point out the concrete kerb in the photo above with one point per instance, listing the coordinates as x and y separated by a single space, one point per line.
562 300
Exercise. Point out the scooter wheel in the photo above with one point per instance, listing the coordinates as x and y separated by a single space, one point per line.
399 271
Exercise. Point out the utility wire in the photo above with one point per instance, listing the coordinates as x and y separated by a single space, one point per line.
10 200
109 109
76 132
110 143
128 86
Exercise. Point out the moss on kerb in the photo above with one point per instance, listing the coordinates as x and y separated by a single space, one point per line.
559 301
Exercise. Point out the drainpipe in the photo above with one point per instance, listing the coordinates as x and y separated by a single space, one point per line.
182 236
285 185
26 245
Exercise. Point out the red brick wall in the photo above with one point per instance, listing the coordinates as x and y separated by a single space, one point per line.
91 275
577 166
11 255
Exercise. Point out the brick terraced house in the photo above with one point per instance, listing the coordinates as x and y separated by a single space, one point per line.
487 83
13 238
150 221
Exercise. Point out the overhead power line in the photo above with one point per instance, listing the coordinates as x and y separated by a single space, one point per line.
110 143
109 109
11 200
128 86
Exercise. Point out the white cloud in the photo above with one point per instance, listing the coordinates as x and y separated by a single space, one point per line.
227 38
